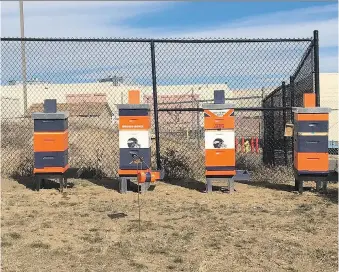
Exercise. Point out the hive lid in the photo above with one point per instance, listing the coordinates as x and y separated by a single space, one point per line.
50 115
311 110
217 106
133 106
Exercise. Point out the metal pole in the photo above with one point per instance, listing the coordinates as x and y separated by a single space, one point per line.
316 67
264 140
191 117
155 106
198 125
292 95
23 56
273 134
284 119
292 114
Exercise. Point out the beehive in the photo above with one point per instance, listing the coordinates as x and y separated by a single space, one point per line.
50 139
311 141
219 138
134 135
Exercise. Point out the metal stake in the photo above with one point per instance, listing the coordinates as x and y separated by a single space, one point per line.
23 56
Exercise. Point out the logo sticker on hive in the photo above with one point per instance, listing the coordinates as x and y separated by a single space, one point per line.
216 139
219 113
134 139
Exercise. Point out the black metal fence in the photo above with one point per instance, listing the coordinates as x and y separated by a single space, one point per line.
278 150
89 77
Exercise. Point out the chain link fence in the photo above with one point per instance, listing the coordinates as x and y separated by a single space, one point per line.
278 150
89 77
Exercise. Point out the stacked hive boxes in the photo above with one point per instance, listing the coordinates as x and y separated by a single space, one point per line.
50 140
219 139
310 141
134 135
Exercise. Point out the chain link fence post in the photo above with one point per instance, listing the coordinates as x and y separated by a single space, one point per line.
283 87
316 67
155 106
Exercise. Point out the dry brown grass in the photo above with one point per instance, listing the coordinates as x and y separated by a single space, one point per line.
93 228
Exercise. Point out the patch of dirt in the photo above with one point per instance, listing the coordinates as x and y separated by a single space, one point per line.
90 227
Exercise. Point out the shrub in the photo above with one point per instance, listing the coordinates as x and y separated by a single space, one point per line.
176 165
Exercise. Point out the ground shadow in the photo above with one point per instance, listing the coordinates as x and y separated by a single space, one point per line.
108 183
331 194
273 186
194 184
28 182
113 184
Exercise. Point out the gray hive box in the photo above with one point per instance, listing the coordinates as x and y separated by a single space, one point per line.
219 97
133 106
311 110
50 106
133 109
217 106
219 102
50 120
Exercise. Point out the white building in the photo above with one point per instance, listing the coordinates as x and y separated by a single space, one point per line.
329 98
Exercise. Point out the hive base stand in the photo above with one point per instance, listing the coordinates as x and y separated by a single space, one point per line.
321 182
229 181
241 175
39 179
125 185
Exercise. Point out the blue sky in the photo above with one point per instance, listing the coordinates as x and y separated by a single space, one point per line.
206 14
179 19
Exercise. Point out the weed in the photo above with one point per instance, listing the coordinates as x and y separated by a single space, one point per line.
124 247
5 243
304 208
178 260
92 239
93 229
188 236
39 244
167 227
215 244
46 225
137 265
14 235
160 250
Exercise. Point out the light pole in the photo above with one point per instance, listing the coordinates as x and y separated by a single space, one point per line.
23 56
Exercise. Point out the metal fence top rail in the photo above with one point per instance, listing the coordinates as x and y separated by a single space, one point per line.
236 109
179 40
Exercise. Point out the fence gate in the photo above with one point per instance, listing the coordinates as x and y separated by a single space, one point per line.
263 78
